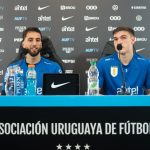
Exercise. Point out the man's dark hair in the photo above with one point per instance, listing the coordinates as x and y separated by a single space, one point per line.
124 28
31 29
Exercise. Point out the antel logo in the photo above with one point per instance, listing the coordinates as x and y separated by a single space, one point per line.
115 18
91 7
68 29
139 29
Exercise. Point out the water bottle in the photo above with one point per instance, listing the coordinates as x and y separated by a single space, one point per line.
31 80
10 82
93 81
19 82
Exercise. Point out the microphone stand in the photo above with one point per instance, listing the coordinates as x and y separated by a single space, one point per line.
123 89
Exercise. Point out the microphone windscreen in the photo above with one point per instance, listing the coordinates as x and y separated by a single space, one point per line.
119 47
25 51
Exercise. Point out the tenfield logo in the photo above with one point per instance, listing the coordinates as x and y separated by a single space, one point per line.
68 29
92 39
64 7
91 7
86 18
115 18
21 8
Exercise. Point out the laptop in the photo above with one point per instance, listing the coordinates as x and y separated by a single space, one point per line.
60 84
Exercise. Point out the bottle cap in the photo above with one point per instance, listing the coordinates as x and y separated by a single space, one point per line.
31 65
92 62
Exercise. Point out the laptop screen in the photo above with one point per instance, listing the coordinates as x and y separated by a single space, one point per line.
60 84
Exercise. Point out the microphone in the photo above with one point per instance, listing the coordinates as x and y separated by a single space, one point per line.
123 92
119 47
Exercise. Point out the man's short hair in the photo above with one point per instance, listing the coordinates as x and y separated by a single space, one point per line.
124 28
31 29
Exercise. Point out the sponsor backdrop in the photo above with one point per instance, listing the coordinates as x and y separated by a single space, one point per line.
79 29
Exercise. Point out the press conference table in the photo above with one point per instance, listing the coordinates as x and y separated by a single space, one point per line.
73 101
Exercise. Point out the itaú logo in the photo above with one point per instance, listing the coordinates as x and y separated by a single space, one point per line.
115 18
139 28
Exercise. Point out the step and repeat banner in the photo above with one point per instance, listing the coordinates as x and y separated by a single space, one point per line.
79 29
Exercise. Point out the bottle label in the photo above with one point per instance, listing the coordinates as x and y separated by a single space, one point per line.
10 85
31 74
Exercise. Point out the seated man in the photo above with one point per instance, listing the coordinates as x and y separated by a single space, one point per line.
32 45
124 72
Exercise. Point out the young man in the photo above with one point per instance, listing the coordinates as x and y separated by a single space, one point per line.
124 72
31 47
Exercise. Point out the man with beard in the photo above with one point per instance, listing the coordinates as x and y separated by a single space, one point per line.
31 46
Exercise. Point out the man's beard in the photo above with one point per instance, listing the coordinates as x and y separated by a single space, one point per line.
33 54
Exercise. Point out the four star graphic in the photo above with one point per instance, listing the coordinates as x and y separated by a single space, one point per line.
77 147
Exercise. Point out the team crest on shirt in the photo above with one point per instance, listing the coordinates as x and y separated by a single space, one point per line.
114 71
